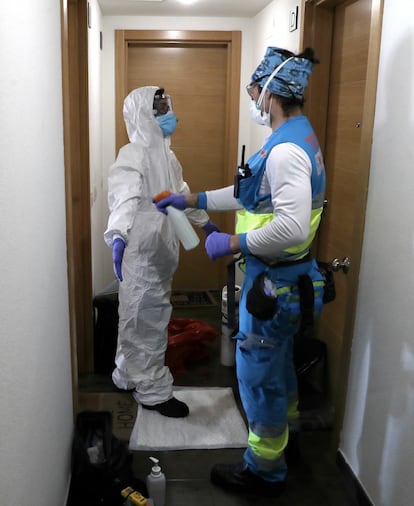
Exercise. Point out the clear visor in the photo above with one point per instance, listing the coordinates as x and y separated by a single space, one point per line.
162 104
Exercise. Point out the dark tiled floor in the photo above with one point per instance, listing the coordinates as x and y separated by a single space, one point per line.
317 480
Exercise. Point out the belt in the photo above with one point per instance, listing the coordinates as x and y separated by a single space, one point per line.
287 263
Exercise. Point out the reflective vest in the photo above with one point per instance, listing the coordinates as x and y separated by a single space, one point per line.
258 208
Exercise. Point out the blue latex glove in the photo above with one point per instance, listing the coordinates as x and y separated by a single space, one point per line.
210 227
176 200
218 245
118 247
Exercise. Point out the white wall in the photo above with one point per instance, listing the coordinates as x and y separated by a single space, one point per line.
377 438
35 379
270 27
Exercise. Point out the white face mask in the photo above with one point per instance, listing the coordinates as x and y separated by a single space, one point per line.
256 113
266 117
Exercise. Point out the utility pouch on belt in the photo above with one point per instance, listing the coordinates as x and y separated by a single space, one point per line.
307 303
258 303
329 288
307 297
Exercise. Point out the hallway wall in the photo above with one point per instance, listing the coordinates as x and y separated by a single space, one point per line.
377 438
35 370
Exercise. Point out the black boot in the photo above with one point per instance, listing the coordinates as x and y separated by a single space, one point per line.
238 478
172 408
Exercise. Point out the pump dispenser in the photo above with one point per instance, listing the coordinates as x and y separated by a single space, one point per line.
179 221
156 483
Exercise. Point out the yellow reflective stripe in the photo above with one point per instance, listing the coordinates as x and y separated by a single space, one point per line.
314 224
293 412
249 221
269 448
284 289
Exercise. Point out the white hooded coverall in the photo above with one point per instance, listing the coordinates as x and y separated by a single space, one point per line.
143 168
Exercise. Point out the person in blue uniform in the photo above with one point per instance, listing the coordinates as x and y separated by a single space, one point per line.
279 195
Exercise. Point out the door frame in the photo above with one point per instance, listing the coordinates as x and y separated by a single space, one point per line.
318 32
74 39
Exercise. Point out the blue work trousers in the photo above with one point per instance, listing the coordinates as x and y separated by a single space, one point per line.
264 361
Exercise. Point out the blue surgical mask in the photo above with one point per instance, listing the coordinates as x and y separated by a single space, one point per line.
167 123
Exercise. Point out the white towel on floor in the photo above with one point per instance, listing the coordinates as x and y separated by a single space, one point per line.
214 422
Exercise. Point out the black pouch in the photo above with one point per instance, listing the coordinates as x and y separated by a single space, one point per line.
329 289
307 303
260 305
101 463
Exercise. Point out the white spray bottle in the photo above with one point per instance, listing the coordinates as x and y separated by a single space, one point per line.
180 223
156 483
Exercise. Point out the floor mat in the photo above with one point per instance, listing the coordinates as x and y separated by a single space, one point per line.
214 422
195 298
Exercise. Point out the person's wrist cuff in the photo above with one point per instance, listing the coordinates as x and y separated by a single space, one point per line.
115 237
243 244
202 200
207 226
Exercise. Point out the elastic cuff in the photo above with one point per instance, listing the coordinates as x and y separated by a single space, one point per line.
243 244
202 200
118 236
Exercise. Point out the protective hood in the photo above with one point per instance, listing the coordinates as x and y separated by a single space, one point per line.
140 122
292 76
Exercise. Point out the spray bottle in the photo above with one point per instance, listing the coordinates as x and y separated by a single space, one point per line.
179 221
156 483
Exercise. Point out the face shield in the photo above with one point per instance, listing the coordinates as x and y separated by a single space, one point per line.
162 103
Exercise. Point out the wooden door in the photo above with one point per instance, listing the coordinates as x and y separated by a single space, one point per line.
350 61
198 77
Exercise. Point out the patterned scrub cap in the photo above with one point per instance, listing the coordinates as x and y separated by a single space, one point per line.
291 79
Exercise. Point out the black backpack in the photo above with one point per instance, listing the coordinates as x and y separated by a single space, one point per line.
101 463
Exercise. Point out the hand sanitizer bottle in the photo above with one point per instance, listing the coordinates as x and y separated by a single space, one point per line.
156 484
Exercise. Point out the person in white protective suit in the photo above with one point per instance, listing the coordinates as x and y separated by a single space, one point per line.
145 249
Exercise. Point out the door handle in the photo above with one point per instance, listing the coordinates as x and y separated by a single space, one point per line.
337 265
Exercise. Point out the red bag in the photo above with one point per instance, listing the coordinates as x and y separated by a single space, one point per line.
186 338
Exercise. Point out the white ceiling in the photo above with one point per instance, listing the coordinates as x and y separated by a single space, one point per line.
210 8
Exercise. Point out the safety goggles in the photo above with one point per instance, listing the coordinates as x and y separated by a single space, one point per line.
253 89
162 103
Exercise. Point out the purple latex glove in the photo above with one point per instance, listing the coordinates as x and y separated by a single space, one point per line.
118 247
210 227
176 200
218 245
